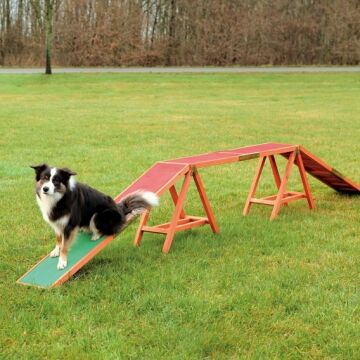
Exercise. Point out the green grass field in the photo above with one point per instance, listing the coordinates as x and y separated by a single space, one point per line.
287 289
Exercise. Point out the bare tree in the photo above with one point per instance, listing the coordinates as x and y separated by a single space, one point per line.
44 11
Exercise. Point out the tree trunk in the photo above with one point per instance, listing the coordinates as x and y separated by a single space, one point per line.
171 36
154 29
49 12
20 17
6 30
2 33
7 15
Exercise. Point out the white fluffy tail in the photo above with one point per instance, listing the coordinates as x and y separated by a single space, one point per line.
138 202
151 198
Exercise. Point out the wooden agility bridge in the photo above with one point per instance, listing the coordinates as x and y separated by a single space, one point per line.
163 176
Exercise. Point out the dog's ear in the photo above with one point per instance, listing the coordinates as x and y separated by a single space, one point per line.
39 168
67 172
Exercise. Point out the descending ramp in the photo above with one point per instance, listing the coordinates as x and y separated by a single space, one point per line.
45 274
162 177
326 174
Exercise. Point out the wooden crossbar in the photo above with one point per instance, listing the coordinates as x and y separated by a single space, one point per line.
182 224
270 200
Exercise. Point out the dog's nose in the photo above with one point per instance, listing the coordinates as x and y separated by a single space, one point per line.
45 189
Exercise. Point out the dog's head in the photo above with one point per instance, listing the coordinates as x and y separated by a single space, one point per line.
51 181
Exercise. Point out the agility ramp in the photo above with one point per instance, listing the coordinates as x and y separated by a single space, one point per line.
163 176
45 274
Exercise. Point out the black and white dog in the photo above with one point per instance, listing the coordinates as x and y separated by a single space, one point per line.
68 206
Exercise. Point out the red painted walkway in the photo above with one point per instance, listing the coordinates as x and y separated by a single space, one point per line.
160 175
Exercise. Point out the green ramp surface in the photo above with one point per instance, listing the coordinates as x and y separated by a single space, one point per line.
45 273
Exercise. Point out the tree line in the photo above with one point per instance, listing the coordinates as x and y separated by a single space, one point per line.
179 32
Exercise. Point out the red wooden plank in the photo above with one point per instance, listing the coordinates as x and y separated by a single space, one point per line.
247 150
155 178
326 174
205 159
221 157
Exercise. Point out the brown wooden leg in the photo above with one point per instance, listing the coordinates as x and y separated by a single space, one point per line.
304 180
174 196
254 184
139 232
282 187
275 172
176 214
205 201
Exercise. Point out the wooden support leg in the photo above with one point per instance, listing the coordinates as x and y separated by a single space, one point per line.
304 180
140 232
254 184
205 201
175 197
282 188
275 172
177 212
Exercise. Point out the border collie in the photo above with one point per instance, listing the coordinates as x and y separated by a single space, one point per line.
68 206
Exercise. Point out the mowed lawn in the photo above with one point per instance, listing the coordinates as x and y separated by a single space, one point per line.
287 289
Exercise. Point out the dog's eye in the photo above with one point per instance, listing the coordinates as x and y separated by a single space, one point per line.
46 177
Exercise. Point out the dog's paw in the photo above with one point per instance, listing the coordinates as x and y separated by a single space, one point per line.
95 236
55 252
61 264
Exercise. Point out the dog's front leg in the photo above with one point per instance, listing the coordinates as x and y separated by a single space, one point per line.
56 251
69 236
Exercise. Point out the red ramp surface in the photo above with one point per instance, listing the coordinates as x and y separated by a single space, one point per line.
326 174
156 179
227 156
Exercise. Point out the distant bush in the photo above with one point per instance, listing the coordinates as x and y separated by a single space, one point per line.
184 32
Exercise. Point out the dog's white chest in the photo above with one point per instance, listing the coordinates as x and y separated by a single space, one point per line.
46 205
59 224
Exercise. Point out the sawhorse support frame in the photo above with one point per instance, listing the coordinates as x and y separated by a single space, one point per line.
283 197
180 221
